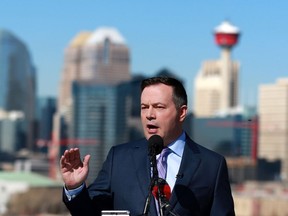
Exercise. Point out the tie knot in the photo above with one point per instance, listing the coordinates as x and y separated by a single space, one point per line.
165 152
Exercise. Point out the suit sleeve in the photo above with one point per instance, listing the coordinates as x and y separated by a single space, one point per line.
223 201
95 198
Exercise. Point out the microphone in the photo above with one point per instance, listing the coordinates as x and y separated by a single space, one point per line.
155 145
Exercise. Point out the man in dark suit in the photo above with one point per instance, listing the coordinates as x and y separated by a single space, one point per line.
198 177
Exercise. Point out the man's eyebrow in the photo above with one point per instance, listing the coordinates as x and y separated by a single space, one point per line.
144 104
153 104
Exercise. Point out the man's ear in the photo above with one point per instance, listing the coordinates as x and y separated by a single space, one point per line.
182 113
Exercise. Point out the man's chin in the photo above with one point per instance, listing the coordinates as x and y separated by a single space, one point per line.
148 135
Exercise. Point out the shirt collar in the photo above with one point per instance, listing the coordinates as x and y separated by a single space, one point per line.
177 146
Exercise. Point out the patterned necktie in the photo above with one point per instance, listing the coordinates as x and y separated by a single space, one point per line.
162 163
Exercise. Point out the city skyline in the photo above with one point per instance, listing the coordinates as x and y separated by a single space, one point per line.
160 34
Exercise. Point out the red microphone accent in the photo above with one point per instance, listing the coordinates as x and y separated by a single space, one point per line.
164 189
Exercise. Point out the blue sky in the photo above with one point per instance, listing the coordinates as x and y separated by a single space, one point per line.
177 35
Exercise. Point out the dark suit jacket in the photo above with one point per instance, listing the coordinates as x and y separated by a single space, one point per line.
202 186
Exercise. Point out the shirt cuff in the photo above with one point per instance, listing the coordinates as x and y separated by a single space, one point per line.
71 194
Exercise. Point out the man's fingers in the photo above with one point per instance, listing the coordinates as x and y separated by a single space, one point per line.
76 154
72 154
66 157
63 158
71 158
62 161
86 160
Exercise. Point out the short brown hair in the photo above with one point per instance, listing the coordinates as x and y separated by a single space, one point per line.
179 92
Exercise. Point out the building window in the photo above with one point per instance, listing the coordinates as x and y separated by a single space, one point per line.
106 51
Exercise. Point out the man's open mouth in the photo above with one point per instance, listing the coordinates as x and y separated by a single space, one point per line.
150 126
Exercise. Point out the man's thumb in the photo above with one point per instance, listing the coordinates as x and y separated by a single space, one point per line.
86 160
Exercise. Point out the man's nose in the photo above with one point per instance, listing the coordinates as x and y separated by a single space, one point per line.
150 113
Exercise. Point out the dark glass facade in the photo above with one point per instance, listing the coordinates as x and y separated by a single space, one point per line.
229 135
17 81
100 114
46 108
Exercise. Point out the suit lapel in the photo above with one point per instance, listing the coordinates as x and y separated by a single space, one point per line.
189 164
142 166
143 171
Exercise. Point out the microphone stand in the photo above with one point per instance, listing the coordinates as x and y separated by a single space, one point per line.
163 203
153 182
160 196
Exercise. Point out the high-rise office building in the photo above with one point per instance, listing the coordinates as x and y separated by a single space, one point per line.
101 56
100 114
231 135
12 131
100 60
106 57
216 84
17 81
46 107
273 125
72 68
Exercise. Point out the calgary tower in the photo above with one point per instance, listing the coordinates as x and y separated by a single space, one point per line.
216 84
226 36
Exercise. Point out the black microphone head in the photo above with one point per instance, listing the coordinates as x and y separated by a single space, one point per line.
155 144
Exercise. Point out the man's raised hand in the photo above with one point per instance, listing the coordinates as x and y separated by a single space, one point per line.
74 171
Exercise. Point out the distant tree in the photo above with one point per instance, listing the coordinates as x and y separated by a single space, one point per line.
37 201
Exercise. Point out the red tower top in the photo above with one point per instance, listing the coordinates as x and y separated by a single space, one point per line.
226 35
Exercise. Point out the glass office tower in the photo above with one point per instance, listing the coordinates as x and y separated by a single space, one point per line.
95 63
17 81
100 115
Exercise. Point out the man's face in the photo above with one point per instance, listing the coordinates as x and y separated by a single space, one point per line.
159 114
